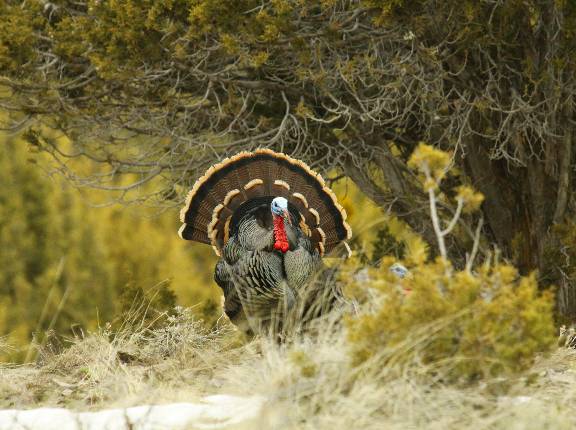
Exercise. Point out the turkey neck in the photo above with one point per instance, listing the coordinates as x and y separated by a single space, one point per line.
280 238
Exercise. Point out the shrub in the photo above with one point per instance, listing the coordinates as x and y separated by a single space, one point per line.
482 323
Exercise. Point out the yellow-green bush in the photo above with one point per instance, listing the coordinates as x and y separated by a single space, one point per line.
479 323
486 323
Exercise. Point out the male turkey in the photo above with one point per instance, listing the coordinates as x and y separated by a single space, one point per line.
270 218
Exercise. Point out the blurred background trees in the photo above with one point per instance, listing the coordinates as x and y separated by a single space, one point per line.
67 267
157 90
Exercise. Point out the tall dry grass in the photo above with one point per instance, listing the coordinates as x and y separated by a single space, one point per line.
309 380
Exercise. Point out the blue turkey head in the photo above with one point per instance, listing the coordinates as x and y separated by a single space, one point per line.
279 206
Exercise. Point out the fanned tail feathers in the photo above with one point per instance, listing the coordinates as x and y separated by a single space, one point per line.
225 186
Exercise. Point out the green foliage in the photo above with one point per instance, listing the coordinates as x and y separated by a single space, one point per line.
17 38
116 36
432 162
65 264
127 32
469 197
38 225
488 323
386 244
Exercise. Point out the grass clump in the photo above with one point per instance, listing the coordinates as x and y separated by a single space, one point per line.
118 367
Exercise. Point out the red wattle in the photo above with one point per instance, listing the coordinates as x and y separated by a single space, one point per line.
280 239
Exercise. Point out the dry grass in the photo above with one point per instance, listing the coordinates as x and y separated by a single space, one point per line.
4 346
309 381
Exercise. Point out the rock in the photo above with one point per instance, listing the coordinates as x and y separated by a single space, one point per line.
213 412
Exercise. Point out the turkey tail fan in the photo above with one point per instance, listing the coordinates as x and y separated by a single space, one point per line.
226 186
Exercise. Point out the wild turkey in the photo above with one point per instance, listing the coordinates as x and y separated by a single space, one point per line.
270 218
